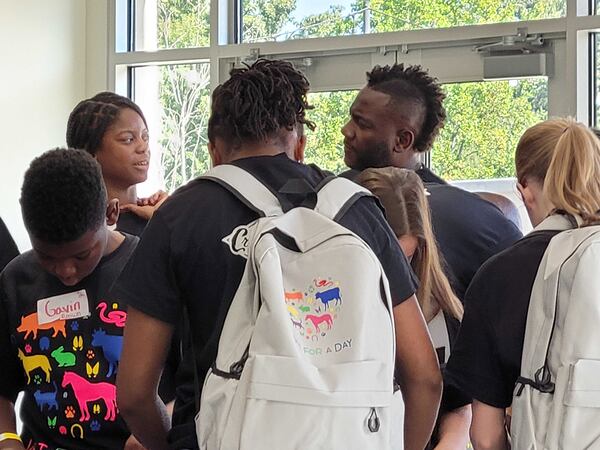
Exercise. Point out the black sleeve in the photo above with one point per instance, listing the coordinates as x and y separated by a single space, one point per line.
366 219
8 248
148 282
12 378
452 396
474 366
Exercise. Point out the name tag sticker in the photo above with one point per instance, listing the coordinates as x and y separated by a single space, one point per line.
63 307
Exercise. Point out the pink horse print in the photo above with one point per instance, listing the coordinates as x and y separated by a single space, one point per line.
90 392
317 320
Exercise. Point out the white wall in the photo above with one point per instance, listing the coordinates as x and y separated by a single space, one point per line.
42 76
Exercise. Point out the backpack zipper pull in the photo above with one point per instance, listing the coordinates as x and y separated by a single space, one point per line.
373 421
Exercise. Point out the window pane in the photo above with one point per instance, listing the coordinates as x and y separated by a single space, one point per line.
176 101
325 145
162 24
280 20
485 121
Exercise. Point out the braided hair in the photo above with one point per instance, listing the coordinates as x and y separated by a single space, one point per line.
413 84
91 118
257 101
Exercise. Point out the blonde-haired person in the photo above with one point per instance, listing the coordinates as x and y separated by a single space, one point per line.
558 172
404 198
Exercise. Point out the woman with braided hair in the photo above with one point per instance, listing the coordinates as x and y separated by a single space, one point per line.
113 129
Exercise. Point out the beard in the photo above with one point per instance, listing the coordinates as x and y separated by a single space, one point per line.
376 155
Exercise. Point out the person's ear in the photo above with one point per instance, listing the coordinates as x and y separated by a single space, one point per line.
214 154
404 140
527 193
299 149
112 212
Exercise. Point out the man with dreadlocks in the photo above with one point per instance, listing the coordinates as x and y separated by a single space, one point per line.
191 257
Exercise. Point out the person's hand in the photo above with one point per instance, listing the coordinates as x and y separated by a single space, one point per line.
155 199
133 444
146 207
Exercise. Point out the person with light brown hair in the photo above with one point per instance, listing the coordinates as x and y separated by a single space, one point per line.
404 199
558 171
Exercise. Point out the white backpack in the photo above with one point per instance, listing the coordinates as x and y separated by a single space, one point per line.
556 404
306 355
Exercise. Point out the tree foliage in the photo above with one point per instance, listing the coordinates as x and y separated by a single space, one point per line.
485 119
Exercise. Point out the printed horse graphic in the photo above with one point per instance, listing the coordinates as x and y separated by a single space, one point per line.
116 317
30 363
86 392
317 320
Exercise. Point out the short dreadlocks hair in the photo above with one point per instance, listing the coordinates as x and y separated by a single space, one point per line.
257 101
63 196
92 117
413 84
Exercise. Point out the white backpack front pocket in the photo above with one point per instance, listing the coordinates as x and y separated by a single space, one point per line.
339 406
582 405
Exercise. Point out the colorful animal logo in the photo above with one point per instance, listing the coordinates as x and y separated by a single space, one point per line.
64 359
318 320
44 343
52 422
329 295
92 371
29 325
314 307
293 296
111 347
30 363
62 430
117 318
86 392
96 408
46 399
94 425
70 412
78 343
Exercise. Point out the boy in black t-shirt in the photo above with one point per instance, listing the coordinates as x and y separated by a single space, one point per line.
189 255
60 328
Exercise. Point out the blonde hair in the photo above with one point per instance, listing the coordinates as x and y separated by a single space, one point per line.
564 155
403 196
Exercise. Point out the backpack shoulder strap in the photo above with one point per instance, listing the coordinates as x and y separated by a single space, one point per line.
336 196
246 188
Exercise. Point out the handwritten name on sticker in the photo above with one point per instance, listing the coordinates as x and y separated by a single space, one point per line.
63 307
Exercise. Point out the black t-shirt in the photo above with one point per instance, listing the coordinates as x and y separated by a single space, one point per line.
468 229
8 248
182 259
486 358
66 368
131 223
